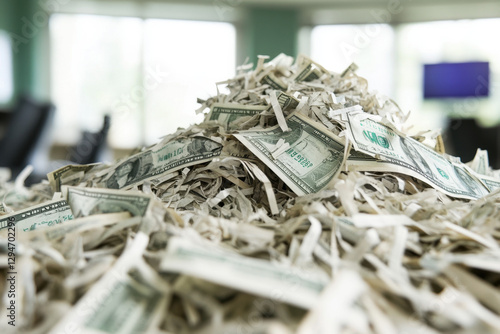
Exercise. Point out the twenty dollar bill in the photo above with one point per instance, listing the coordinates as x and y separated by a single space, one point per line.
313 159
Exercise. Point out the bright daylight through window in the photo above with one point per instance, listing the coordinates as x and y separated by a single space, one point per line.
370 46
6 84
136 73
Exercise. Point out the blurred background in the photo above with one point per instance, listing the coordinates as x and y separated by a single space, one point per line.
84 80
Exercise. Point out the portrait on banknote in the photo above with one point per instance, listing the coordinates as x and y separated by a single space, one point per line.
202 145
130 170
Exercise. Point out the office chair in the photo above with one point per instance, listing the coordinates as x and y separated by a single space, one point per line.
29 123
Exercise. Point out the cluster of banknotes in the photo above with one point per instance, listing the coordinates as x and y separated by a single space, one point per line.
301 204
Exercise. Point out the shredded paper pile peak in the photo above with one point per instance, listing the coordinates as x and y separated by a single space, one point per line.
302 204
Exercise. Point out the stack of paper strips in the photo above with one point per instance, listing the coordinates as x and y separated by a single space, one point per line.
303 203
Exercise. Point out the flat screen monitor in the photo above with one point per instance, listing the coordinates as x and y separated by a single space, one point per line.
456 80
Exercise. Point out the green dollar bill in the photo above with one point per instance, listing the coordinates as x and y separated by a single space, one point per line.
492 183
479 166
90 201
308 73
286 101
243 273
174 155
129 307
84 224
38 216
350 69
226 113
274 82
480 163
129 298
313 159
70 175
408 156
308 70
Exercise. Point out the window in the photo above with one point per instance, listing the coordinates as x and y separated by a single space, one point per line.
145 73
193 56
392 59
6 84
95 61
370 46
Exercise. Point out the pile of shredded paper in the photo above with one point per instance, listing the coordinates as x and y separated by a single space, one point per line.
301 204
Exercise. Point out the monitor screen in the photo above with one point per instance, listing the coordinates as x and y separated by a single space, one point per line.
456 80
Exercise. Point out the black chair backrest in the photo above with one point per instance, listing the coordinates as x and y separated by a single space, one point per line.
91 145
26 126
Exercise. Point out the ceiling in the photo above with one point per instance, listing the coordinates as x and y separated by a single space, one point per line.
312 12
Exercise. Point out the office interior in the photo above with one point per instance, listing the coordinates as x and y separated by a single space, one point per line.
91 81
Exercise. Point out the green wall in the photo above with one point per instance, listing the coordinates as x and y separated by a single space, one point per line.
24 21
271 31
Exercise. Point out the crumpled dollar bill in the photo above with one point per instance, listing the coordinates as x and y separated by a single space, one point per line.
304 203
